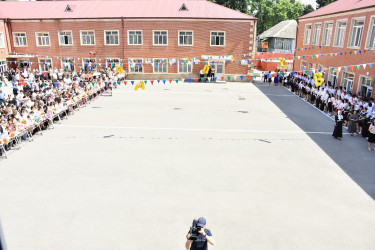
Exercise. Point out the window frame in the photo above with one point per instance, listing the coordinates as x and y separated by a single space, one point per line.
330 38
137 43
36 38
153 39
129 68
58 34
2 40
107 64
304 34
187 63
346 20
44 59
153 67
313 34
15 39
342 80
359 85
192 38
351 30
302 65
105 40
80 37
372 20
225 35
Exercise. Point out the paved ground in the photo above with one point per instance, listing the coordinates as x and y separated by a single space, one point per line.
131 172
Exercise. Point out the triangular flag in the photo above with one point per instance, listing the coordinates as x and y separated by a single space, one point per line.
358 66
339 68
248 76
228 78
241 77
370 64
364 66
152 82
164 81
222 78
132 82
170 81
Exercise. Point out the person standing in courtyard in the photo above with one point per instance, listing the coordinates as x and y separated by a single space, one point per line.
337 132
353 120
204 236
371 135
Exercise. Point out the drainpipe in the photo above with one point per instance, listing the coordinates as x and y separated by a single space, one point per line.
295 46
8 29
123 39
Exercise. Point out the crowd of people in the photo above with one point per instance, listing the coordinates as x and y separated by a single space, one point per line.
352 110
36 100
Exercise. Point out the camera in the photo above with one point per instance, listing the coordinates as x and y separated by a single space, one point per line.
194 230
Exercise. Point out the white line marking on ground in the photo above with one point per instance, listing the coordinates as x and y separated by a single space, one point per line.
195 129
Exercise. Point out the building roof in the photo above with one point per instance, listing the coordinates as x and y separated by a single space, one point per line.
340 6
284 29
201 9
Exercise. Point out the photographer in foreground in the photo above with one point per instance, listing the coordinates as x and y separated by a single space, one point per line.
198 236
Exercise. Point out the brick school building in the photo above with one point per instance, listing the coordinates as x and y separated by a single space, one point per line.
339 40
152 39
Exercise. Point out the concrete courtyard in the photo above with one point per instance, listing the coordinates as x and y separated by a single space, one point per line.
131 171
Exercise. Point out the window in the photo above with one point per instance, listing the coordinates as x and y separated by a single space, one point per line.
185 67
135 65
283 44
185 38
333 78
111 37
303 66
306 40
160 37
366 86
44 64
322 71
135 37
316 36
217 38
347 81
311 69
3 66
67 64
356 33
42 39
89 64
327 34
160 65
370 39
65 38
1 40
88 37
340 33
19 39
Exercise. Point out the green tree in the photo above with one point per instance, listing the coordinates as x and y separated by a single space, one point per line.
240 5
321 3
308 8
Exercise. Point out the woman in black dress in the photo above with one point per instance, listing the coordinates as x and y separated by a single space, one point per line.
371 135
337 132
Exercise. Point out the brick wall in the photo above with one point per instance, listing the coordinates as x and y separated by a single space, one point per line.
238 40
367 56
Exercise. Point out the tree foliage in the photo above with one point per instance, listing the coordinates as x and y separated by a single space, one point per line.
321 3
240 5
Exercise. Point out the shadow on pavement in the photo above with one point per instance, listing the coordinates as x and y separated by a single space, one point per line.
351 153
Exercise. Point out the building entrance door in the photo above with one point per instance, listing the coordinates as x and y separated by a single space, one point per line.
219 70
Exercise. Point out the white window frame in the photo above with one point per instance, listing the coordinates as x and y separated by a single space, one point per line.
304 34
2 40
359 87
14 39
192 38
336 33
305 67
3 66
81 38
369 33
314 34
63 65
105 40
351 31
153 38
225 35
58 34
153 68
324 42
40 65
343 80
187 63
37 40
137 44
136 65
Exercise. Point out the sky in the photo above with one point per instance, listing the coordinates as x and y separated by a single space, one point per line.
312 2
